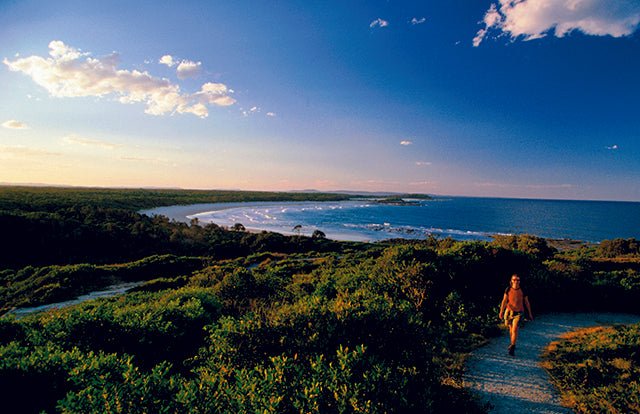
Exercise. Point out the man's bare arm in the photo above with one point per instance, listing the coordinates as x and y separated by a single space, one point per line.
503 305
528 305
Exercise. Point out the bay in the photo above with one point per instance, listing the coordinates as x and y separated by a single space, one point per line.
462 218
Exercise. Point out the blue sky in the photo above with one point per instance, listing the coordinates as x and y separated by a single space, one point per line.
509 98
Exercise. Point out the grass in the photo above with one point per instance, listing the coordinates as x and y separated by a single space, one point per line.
597 369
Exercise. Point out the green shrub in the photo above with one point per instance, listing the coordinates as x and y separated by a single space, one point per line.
618 247
597 369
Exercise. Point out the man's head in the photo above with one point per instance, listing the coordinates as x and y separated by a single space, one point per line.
515 281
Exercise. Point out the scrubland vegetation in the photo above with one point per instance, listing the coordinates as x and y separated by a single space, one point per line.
230 321
598 369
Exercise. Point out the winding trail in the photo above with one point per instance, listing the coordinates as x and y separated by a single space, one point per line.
519 384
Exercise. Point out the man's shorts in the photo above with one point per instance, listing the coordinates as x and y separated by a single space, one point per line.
512 317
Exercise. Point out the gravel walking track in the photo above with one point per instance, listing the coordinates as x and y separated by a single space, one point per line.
519 384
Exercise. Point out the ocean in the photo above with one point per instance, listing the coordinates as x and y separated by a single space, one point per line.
462 218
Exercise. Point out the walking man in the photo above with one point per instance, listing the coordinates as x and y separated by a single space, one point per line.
512 308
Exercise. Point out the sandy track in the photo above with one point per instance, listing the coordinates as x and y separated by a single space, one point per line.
519 384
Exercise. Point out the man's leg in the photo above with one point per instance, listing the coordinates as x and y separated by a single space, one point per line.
513 331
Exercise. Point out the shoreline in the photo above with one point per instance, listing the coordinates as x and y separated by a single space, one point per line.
186 213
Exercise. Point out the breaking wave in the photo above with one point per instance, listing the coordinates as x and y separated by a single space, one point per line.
348 220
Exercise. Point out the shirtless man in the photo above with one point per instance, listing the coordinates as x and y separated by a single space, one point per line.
512 308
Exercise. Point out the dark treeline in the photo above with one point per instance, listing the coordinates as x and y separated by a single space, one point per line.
51 199
48 229
104 235
230 321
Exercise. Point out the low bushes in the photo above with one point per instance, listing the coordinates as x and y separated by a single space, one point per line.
597 369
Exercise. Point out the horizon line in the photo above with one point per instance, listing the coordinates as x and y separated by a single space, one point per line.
337 191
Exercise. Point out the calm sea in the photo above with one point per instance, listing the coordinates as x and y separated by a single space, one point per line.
463 218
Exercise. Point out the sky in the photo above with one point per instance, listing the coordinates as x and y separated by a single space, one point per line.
499 98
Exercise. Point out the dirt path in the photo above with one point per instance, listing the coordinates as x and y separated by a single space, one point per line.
519 384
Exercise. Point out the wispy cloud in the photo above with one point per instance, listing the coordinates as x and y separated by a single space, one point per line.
527 186
25 152
406 142
613 147
378 23
13 124
375 183
491 19
417 20
77 140
432 184
271 114
253 110
68 72
148 160
423 163
534 19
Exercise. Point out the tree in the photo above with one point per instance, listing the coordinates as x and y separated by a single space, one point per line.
297 228
238 227
318 234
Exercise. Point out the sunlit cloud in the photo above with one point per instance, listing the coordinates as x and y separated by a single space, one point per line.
69 72
534 19
406 142
416 20
378 23
187 69
167 60
271 114
13 124
491 18
88 142
613 147
423 163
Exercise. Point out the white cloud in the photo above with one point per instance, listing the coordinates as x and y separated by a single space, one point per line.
534 19
613 147
271 114
70 73
77 140
491 19
379 22
416 20
423 163
253 110
406 142
187 69
215 93
167 60
13 124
